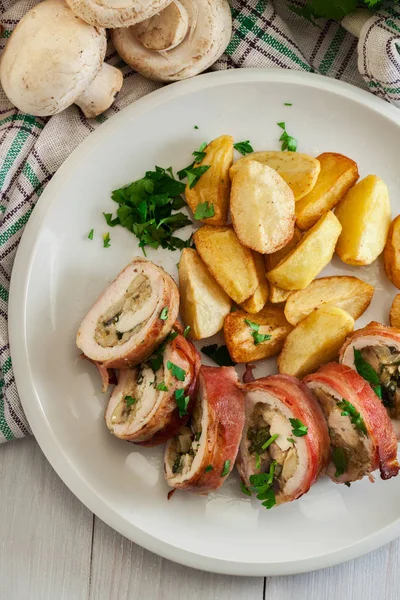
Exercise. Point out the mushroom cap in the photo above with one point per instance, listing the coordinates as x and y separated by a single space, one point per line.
116 13
50 59
207 36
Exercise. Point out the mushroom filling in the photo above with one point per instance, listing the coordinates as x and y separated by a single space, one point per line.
140 396
265 445
186 444
385 360
127 316
349 440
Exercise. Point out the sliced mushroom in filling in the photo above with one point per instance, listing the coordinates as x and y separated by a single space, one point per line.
185 445
128 315
385 361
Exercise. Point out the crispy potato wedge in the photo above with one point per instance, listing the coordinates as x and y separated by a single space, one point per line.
394 316
230 263
300 171
314 251
276 294
364 214
348 293
262 208
204 304
338 174
315 341
240 341
258 300
215 185
391 253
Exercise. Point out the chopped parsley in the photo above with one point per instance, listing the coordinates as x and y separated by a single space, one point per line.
225 470
298 428
164 314
219 354
339 460
200 154
146 209
90 236
261 484
130 401
194 173
258 461
290 440
195 127
204 210
208 469
176 371
245 489
106 240
288 104
156 359
161 387
257 337
270 441
186 332
243 147
349 410
258 437
336 9
367 372
182 402
288 142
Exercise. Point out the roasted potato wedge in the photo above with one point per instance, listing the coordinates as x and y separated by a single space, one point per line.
241 343
314 251
204 304
315 341
262 208
230 263
258 300
391 253
277 294
348 293
215 185
300 171
338 174
394 316
364 214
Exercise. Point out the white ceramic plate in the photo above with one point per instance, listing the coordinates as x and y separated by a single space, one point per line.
58 274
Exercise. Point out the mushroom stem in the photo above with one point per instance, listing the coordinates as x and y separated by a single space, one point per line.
101 93
166 30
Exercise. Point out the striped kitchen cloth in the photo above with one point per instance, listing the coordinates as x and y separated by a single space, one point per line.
265 34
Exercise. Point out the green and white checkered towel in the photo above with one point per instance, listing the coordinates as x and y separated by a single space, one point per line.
265 34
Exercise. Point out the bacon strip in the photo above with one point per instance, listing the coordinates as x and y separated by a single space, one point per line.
219 410
131 345
342 382
274 400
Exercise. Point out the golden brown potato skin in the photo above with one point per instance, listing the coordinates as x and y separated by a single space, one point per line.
338 174
391 253
214 185
394 316
348 293
300 171
240 342
204 304
364 214
230 263
258 300
315 341
276 294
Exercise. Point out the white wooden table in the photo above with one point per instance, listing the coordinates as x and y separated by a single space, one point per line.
53 548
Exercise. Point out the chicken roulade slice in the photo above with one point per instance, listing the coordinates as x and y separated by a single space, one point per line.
153 400
132 317
203 453
374 352
285 442
361 434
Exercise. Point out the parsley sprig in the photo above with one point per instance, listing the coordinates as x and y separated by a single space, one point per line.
176 371
288 142
349 410
204 210
299 429
261 485
192 172
339 460
219 354
244 147
257 337
367 372
182 402
334 9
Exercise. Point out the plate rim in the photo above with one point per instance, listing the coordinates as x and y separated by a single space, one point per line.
37 419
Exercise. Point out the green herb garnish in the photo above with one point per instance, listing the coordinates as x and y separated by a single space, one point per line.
288 142
182 402
243 147
298 428
219 354
290 440
195 127
288 104
364 369
245 489
161 387
270 441
90 236
257 337
258 461
130 401
258 436
156 359
110 221
193 174
200 154
186 332
225 470
106 240
176 371
208 469
261 485
349 410
339 460
334 9
204 210
164 314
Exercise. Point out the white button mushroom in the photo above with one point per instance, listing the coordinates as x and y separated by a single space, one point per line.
54 59
116 13
183 40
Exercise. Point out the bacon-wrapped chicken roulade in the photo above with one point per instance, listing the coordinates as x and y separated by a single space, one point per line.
153 400
132 317
362 437
203 453
285 442
374 352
